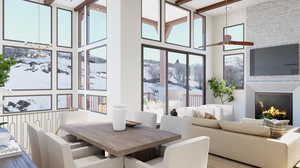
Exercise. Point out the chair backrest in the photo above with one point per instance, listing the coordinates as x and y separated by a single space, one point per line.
171 124
147 119
59 152
33 132
73 117
192 153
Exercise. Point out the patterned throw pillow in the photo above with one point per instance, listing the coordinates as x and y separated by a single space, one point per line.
203 113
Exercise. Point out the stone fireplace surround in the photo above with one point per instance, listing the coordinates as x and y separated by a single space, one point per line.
273 87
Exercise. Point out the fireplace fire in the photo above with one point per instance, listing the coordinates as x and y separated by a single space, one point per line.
274 106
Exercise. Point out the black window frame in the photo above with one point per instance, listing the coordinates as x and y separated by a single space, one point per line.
166 87
189 24
33 95
87 68
51 62
87 32
243 54
23 41
160 24
80 79
57 70
87 102
204 31
84 101
242 47
64 95
57 40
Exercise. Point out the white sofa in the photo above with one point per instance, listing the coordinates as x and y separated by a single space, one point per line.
221 112
253 150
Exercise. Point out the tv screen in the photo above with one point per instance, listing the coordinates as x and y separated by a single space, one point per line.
280 60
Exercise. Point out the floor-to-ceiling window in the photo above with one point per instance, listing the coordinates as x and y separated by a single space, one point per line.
171 79
92 57
42 78
173 68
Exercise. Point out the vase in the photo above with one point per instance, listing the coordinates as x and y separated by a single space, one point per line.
119 117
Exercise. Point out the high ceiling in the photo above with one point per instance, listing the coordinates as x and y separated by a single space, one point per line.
194 4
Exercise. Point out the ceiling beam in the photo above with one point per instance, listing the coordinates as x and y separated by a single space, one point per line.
48 2
180 2
216 5
85 2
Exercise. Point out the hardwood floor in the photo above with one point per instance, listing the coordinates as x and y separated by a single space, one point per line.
217 162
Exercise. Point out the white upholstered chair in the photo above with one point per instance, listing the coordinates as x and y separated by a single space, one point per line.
60 156
39 147
71 118
147 119
35 145
191 153
172 124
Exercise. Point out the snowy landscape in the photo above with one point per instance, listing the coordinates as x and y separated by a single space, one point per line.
27 103
32 71
154 89
97 69
64 70
64 101
234 70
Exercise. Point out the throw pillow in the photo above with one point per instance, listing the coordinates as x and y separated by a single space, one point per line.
250 129
205 123
278 127
253 121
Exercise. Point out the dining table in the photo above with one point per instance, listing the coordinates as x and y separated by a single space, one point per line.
120 143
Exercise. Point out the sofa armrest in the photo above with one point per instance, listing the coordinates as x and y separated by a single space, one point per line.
291 141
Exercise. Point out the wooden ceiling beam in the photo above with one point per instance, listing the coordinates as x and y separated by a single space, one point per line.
48 2
216 5
180 2
85 2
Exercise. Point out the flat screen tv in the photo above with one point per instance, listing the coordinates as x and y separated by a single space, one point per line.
280 60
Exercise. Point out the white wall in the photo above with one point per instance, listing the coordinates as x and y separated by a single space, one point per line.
218 23
124 54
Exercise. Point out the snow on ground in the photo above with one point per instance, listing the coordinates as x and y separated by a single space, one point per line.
64 71
27 103
97 76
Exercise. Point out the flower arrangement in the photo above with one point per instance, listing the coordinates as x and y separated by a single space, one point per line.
273 113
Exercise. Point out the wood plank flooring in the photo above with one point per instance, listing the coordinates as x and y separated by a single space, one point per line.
217 162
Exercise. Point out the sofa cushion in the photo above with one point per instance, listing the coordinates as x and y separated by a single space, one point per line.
252 121
245 128
205 123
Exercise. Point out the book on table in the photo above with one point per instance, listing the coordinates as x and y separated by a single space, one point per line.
10 150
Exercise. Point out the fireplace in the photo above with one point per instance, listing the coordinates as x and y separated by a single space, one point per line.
279 104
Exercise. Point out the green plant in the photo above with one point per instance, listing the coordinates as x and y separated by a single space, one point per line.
5 65
3 123
221 90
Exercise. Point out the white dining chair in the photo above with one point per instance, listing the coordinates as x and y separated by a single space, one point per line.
177 125
71 117
35 145
172 124
147 119
39 147
60 156
191 153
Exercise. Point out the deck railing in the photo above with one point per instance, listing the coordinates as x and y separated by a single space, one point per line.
17 124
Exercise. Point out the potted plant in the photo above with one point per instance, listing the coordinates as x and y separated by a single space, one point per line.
224 94
5 65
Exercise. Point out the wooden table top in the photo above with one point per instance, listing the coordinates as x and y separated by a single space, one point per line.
22 161
120 143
